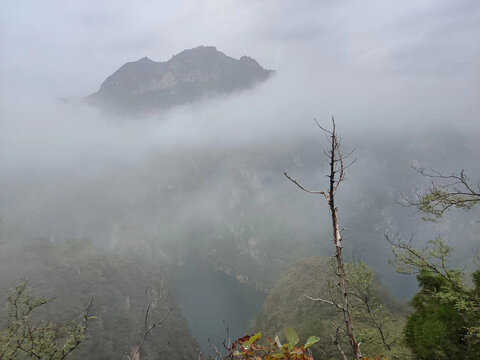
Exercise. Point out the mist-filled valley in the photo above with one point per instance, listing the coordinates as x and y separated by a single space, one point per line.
144 209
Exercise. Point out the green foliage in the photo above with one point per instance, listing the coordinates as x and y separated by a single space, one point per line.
76 271
447 191
446 317
378 315
291 336
248 348
444 324
433 256
25 338
287 305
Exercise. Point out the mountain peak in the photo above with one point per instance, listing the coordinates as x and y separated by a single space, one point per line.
199 53
250 61
144 59
146 85
200 49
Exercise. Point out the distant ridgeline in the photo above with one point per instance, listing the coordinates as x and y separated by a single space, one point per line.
146 86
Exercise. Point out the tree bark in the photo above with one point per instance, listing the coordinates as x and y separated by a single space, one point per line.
335 157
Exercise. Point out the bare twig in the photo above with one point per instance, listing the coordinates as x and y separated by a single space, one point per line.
215 349
335 339
150 329
228 341
302 187
432 257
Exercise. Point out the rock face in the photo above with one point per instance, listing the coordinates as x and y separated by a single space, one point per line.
146 86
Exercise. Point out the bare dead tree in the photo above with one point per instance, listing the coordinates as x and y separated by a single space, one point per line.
135 354
337 167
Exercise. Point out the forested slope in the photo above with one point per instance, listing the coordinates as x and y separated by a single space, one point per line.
122 285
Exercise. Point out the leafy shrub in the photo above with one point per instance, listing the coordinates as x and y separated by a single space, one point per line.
248 348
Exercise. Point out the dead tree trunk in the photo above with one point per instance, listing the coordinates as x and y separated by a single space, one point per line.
337 167
337 174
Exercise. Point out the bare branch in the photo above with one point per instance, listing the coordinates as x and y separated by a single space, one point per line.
335 339
301 187
215 349
325 301
150 329
432 257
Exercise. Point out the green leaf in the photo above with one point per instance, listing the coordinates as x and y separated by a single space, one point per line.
291 336
254 338
312 340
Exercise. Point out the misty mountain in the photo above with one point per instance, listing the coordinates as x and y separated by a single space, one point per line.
234 209
145 86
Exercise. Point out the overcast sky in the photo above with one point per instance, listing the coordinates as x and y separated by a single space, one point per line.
67 47
382 61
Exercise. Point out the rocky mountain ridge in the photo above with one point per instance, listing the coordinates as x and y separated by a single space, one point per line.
145 85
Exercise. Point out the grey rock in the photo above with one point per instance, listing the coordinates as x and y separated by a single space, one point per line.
147 86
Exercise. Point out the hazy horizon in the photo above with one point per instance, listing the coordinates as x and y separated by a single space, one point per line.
402 80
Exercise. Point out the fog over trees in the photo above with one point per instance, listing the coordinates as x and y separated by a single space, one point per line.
144 211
